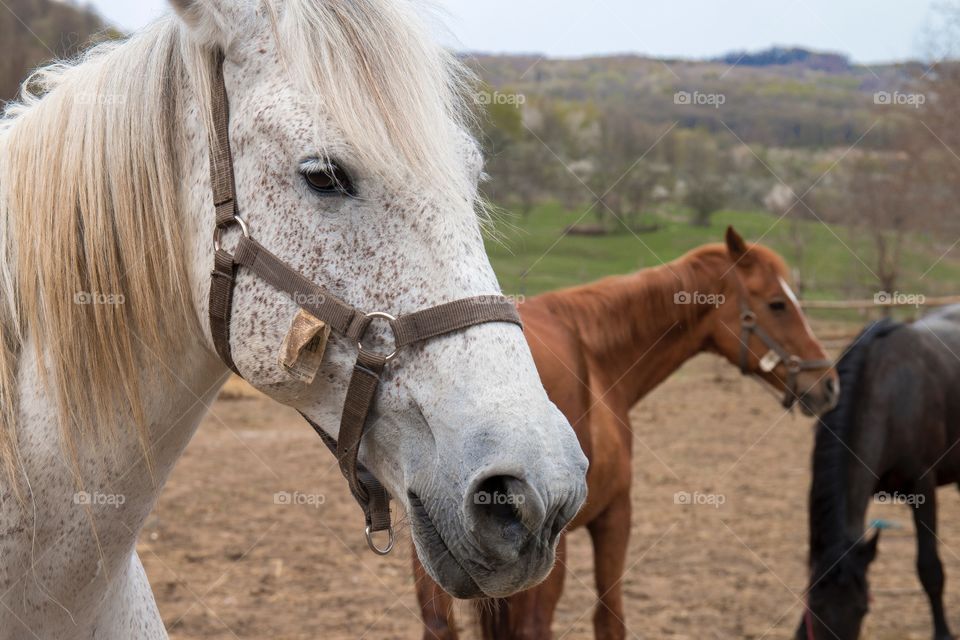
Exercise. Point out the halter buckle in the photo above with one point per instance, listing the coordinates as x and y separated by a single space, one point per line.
382 316
391 540
218 231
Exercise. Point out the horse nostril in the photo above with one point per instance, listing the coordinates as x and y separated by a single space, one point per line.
832 388
507 507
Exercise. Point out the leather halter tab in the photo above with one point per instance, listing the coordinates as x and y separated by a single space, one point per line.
341 317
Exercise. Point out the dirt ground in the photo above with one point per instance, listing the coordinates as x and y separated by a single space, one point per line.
227 561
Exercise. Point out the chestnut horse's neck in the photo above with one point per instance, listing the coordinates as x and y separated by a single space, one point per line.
638 329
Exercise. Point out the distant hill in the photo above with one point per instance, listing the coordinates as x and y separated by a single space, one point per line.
36 31
778 98
779 56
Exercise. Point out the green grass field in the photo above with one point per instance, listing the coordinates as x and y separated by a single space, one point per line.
532 255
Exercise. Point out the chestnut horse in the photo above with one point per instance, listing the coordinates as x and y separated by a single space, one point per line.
602 347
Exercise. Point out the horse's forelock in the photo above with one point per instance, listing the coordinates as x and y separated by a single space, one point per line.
398 97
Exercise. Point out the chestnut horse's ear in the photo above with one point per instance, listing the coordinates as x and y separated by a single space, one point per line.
737 248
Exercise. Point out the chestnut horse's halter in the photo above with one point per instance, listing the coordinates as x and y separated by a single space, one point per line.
339 316
776 355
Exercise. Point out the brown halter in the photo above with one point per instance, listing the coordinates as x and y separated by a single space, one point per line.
338 315
777 353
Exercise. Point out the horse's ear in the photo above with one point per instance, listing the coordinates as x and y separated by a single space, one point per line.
207 20
737 248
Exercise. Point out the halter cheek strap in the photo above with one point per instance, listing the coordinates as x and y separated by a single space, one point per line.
776 355
341 317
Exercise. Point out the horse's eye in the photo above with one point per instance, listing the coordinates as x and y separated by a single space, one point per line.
327 179
778 306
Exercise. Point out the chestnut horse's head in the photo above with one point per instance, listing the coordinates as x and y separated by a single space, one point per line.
761 328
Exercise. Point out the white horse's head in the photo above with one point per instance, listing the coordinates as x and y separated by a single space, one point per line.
354 166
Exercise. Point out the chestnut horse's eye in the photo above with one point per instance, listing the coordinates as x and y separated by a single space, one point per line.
327 178
777 306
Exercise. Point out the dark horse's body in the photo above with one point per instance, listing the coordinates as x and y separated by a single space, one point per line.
896 431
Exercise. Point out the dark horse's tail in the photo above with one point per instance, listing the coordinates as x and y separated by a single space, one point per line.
831 451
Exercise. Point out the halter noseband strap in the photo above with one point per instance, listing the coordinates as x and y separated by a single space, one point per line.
341 317
793 364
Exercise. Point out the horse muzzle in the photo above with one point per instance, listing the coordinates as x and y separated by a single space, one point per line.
820 396
501 540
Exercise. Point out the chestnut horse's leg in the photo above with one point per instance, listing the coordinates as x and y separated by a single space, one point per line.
436 605
610 533
928 560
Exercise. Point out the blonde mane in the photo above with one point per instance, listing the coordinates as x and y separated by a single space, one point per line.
90 172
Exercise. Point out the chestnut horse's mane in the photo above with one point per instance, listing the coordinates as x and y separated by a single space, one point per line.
648 295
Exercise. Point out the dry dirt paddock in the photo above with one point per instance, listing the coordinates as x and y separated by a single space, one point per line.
227 562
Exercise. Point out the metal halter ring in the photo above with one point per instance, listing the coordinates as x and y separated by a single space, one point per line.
218 231
381 316
794 364
377 550
748 319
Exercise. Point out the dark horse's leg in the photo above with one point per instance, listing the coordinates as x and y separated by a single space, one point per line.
436 605
610 533
928 560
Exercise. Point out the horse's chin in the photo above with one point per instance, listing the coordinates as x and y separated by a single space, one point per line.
814 408
436 556
472 575
808 411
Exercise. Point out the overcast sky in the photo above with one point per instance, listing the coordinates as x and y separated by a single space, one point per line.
867 30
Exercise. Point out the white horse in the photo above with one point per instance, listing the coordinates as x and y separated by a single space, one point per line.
354 165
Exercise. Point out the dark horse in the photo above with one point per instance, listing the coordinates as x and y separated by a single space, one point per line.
894 431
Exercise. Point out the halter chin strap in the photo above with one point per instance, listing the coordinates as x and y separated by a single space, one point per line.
337 314
776 355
